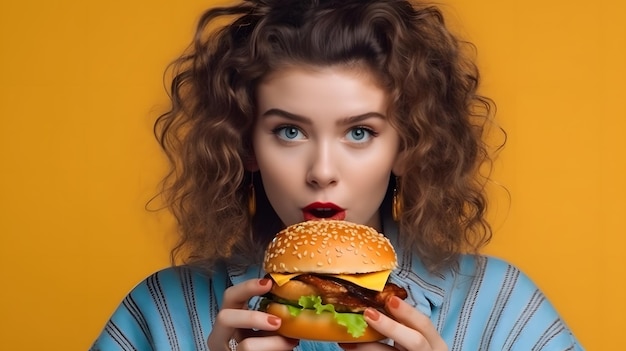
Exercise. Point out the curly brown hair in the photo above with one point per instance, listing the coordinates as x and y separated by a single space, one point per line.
428 73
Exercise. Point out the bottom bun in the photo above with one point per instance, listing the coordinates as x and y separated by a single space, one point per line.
312 326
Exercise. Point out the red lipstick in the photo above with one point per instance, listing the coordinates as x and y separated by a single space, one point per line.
323 210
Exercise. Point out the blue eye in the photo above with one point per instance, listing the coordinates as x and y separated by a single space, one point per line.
360 134
288 133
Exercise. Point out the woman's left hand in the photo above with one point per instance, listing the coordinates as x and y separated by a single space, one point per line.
410 331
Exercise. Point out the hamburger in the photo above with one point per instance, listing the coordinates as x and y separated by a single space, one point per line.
326 273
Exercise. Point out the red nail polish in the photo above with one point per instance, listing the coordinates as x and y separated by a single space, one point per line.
394 302
372 314
264 281
273 320
348 346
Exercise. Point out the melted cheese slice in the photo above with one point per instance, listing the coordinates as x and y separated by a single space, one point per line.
282 278
373 281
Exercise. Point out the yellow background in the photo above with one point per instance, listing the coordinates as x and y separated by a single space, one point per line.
81 86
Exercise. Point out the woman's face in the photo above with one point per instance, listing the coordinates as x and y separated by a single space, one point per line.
323 144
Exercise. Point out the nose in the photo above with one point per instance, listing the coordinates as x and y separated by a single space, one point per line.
322 170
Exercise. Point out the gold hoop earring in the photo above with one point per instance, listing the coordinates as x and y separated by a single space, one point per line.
396 204
251 199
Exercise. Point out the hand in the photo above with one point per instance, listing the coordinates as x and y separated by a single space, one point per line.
410 331
252 330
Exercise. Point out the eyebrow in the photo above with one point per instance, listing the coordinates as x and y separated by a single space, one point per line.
307 120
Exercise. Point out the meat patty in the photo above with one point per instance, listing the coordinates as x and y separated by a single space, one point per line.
349 297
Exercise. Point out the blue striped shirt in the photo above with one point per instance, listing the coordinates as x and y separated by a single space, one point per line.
485 304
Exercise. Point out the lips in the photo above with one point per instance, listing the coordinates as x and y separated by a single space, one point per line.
320 210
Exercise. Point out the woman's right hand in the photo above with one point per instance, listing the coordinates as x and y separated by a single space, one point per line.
251 330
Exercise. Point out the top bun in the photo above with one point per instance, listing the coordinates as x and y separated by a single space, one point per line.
329 247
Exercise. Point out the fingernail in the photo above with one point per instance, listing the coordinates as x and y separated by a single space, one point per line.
348 346
264 281
273 320
394 302
372 314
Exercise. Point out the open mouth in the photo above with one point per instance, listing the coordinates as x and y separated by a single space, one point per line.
323 211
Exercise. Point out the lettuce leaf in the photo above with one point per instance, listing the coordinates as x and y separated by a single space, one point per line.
354 322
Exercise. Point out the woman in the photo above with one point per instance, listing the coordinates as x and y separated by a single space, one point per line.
309 109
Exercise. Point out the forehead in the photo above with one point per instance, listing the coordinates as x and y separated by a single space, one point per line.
335 90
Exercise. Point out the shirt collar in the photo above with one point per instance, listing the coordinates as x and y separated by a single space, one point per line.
426 290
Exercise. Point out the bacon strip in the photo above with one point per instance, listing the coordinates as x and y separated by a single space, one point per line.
349 297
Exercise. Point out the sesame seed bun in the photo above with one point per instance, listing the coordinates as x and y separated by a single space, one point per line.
329 247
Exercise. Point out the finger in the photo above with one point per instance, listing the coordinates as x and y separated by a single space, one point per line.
234 314
402 335
368 346
236 299
411 317
237 296
274 343
229 320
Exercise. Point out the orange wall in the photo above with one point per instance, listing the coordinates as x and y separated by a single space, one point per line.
81 85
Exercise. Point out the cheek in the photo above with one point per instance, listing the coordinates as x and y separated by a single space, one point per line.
276 160
375 182
265 151
374 174
276 171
